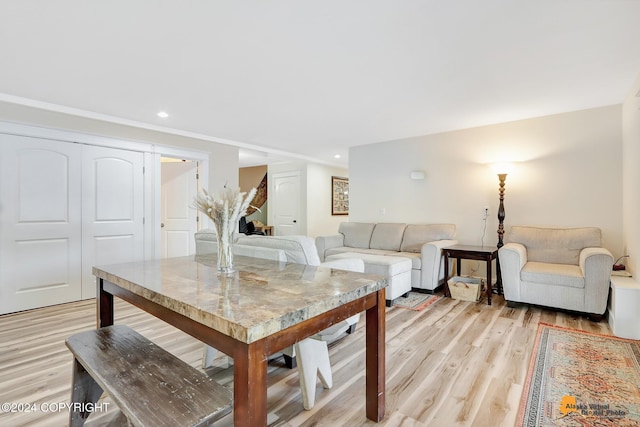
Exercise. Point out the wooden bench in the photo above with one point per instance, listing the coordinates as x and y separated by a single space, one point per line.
150 386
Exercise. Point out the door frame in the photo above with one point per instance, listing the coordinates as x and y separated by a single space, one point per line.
202 160
273 200
188 170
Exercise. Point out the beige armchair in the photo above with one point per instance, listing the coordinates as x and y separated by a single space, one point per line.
562 268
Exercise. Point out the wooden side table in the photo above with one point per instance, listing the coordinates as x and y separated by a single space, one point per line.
478 253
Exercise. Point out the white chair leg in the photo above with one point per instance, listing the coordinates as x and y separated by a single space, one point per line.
313 362
208 355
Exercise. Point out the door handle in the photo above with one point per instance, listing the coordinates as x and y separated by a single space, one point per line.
294 221
162 225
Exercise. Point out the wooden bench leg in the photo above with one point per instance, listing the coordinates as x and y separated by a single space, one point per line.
84 390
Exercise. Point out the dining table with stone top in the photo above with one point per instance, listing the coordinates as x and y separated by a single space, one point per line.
257 311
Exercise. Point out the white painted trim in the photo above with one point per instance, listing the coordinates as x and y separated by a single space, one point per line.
152 206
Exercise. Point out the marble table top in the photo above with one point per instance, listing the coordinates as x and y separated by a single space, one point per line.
263 296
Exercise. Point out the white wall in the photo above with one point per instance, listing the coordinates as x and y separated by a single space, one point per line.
320 222
569 174
224 166
631 177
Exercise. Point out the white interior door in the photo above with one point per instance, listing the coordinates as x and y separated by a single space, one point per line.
178 218
286 203
40 231
112 210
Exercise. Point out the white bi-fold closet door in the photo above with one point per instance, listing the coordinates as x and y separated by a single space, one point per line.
64 207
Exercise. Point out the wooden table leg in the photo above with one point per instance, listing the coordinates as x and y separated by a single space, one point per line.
489 285
249 385
105 305
447 293
375 359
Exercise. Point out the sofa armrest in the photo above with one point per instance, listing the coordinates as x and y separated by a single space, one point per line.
596 264
597 258
327 242
512 257
259 252
433 262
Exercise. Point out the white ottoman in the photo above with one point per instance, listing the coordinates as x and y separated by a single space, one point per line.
396 269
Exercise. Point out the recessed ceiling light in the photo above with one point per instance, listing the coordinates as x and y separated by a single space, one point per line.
337 156
163 114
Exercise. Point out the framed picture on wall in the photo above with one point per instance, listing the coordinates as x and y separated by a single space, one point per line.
339 195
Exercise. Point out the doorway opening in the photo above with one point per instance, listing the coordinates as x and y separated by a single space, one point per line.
178 218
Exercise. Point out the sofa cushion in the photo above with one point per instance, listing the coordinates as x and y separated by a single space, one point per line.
553 274
207 234
416 235
260 252
387 266
356 234
416 259
387 236
207 241
343 249
298 249
555 245
210 235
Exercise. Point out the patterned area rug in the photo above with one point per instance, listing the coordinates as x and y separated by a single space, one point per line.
578 378
415 301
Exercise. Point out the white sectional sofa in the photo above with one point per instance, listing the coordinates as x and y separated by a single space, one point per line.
421 243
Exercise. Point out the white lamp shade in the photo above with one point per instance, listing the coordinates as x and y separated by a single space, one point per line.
502 168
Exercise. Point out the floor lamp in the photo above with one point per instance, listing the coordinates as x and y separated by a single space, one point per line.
502 177
501 169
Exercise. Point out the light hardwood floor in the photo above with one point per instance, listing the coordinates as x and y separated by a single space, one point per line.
454 364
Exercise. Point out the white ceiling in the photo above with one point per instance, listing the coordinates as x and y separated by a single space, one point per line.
312 78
